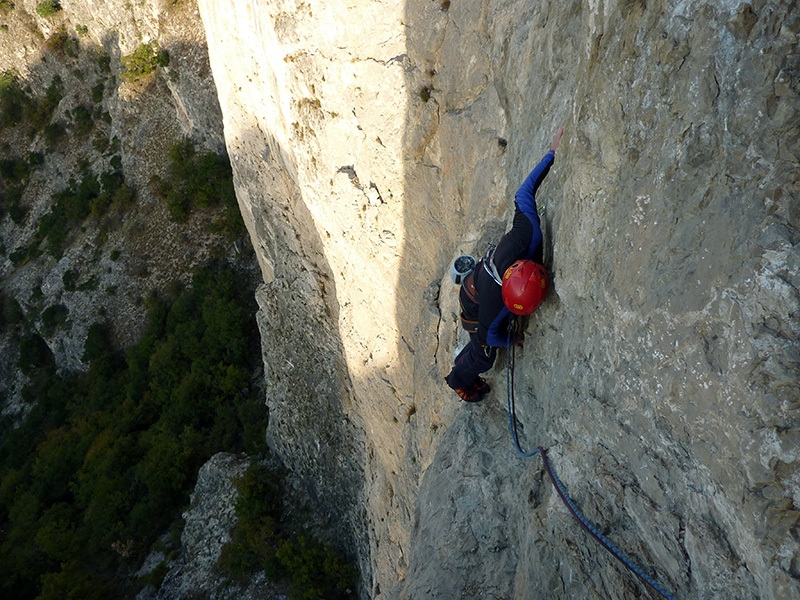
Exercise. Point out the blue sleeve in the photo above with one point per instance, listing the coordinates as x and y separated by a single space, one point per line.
521 242
525 196
496 335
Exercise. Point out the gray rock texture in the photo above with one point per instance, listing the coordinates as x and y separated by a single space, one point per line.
208 525
373 142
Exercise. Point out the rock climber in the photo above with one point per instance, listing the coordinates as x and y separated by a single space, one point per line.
509 280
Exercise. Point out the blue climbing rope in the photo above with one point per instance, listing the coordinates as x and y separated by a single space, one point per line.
562 491
512 407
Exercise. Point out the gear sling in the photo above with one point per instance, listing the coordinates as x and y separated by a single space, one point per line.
469 298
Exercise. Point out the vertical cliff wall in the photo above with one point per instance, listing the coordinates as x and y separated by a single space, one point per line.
372 142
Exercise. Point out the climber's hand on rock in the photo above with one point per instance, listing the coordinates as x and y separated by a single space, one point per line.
557 138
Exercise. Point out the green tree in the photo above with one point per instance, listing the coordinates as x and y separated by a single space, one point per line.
200 180
33 354
73 583
10 312
13 101
105 460
54 317
98 342
47 8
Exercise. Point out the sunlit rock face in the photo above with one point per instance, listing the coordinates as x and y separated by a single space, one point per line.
372 142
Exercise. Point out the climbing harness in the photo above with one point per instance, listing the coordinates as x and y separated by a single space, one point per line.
562 491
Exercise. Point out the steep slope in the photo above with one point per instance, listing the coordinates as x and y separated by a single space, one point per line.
373 142
99 123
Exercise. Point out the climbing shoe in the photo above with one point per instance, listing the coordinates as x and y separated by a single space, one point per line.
475 391
469 394
481 387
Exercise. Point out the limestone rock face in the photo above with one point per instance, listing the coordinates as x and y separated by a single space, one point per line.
373 142
208 524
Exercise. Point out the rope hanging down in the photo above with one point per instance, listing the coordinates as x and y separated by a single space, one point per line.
562 491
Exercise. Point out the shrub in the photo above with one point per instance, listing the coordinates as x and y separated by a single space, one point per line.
98 342
97 92
75 199
311 569
99 205
38 113
116 193
314 570
59 43
16 104
16 210
54 317
177 206
111 181
10 312
255 536
89 285
35 159
200 180
124 196
71 47
33 354
14 170
162 58
71 581
21 254
104 63
13 100
72 205
259 494
54 133
83 120
70 279
143 61
47 8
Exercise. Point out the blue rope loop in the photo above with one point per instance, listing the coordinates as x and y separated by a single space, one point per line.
559 486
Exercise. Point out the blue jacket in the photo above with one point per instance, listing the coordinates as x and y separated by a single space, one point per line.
522 241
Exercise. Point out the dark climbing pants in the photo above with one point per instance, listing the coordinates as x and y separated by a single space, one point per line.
473 360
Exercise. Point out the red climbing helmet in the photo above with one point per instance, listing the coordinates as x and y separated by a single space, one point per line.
525 285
